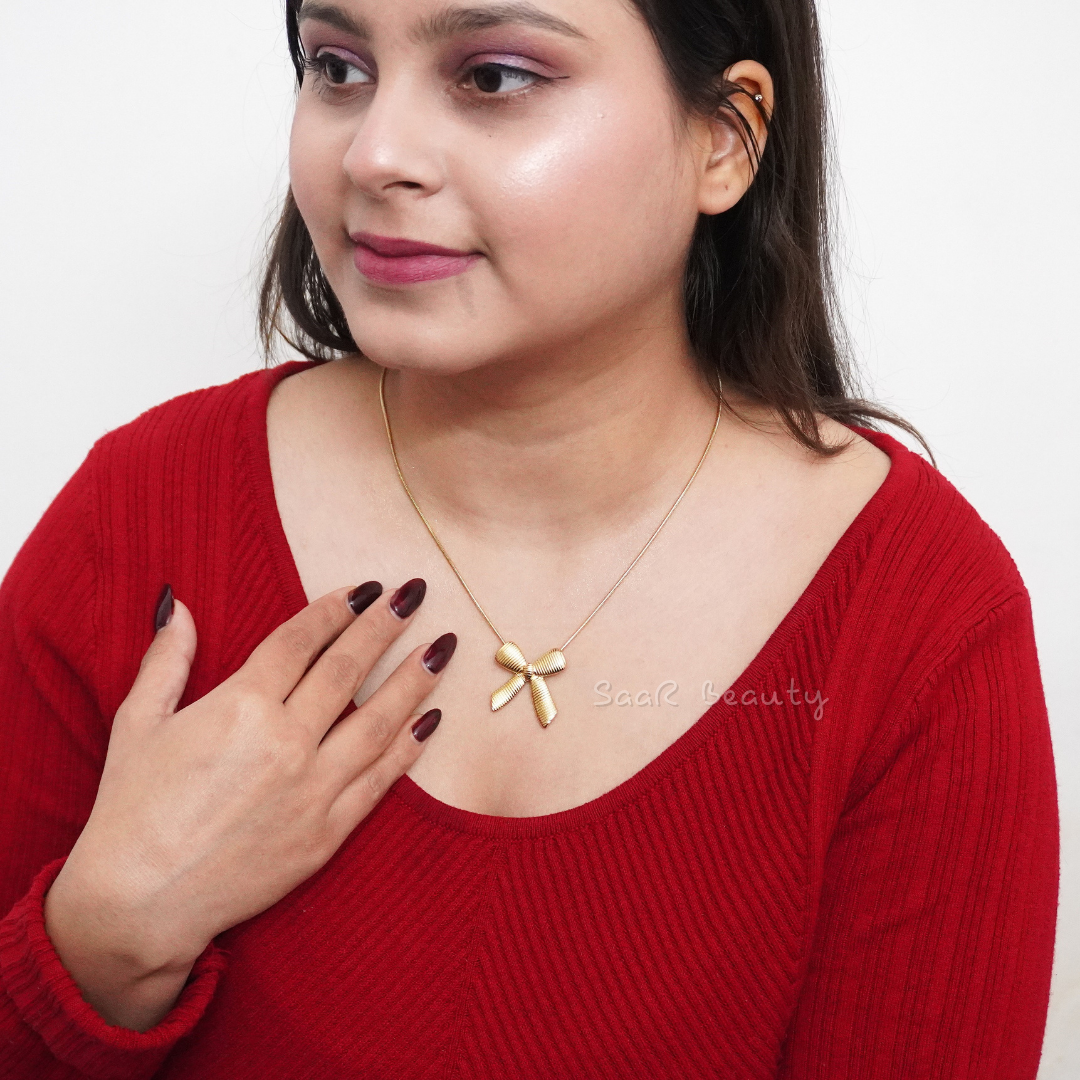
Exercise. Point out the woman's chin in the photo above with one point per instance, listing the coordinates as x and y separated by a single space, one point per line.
427 360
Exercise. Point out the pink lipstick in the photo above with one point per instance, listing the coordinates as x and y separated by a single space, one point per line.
392 260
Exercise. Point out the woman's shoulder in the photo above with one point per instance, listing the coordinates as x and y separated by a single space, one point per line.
188 424
935 521
933 568
190 437
919 537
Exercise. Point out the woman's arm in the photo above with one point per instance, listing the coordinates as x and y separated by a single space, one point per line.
177 824
53 741
934 941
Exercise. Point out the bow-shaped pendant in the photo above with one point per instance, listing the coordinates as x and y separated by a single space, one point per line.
512 658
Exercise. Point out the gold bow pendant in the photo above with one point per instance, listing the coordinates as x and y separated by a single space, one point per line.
513 659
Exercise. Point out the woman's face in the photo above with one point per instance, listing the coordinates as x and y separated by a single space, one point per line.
541 139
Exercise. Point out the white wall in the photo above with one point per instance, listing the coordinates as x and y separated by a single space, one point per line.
144 150
957 139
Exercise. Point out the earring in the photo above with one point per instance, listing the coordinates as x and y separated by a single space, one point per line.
759 98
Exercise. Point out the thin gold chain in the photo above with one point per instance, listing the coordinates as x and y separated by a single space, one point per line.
457 573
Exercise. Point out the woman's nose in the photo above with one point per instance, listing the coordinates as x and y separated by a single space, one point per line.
396 146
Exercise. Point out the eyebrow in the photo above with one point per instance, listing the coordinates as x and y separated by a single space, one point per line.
335 17
447 23
457 20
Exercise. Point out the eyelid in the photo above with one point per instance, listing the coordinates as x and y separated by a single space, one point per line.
507 60
337 50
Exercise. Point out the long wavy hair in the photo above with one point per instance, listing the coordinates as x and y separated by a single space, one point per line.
760 300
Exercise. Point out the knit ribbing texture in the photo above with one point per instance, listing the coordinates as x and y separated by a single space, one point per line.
860 887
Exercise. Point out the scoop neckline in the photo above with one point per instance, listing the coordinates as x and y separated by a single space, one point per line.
677 753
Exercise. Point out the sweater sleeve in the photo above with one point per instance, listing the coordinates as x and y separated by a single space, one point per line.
53 741
934 940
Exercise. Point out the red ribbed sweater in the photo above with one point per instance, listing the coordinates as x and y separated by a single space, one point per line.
861 888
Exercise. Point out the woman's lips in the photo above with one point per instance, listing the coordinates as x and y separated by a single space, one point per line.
393 261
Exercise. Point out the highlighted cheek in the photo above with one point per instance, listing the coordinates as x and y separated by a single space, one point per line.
543 169
551 194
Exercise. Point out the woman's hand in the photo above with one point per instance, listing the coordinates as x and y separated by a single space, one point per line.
207 816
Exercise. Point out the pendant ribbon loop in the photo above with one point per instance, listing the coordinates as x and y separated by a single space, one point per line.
513 659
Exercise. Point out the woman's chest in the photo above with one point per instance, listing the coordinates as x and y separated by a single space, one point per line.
669 641
683 625
662 937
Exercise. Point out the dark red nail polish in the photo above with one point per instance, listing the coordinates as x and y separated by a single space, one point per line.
407 599
426 724
363 596
163 611
439 652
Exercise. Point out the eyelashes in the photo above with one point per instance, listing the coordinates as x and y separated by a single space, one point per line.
333 76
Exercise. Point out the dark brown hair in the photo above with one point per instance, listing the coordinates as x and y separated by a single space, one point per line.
760 301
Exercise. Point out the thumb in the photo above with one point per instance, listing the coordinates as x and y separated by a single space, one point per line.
166 664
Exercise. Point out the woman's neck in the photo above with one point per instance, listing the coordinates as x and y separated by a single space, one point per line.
564 449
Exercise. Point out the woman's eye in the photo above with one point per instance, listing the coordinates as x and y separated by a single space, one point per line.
336 70
493 78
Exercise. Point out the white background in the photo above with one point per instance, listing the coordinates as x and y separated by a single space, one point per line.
144 157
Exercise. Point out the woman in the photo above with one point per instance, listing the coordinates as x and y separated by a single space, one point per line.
744 767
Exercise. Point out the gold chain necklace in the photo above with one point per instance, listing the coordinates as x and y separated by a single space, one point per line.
509 655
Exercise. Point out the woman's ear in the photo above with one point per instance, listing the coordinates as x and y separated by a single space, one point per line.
727 159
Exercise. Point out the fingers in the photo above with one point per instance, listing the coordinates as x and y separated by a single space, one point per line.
354 745
322 694
359 796
165 667
279 661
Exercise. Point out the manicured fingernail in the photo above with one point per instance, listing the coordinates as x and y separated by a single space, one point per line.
439 652
363 596
426 724
163 611
407 599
